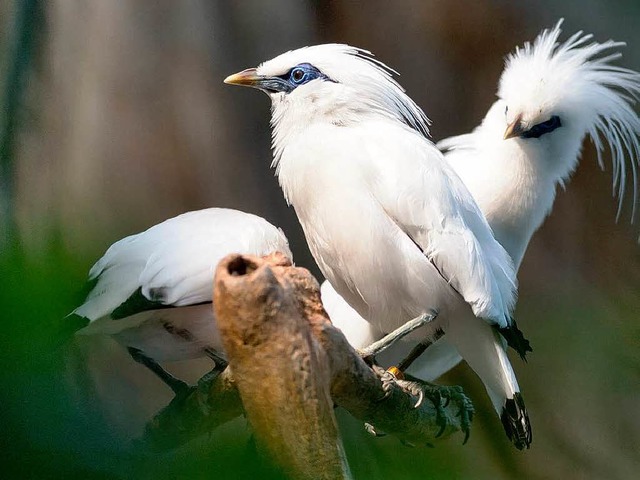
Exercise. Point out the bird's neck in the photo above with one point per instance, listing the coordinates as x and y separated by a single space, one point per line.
515 188
285 136
295 132
515 181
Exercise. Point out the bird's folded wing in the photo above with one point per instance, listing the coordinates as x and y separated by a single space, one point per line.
172 263
114 277
432 206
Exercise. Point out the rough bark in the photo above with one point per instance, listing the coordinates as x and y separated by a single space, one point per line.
279 366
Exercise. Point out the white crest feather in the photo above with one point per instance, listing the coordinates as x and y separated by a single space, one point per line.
578 76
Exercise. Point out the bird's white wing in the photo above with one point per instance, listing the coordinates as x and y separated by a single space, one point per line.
114 277
180 270
172 263
432 206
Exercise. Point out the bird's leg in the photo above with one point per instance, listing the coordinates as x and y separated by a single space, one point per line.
395 373
368 353
219 364
439 395
418 350
178 386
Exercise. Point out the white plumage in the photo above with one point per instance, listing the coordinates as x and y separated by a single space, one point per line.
515 180
389 223
153 290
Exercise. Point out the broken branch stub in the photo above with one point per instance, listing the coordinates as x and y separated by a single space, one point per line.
280 370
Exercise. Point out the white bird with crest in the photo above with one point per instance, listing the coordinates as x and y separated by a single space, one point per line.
551 96
387 220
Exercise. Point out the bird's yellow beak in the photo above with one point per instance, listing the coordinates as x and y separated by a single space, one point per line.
247 78
514 129
269 85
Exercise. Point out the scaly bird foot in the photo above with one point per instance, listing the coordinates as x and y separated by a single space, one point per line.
390 378
368 353
441 396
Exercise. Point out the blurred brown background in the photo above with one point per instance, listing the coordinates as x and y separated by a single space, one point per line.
121 120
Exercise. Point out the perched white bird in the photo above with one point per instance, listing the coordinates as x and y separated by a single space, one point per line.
551 96
389 223
152 291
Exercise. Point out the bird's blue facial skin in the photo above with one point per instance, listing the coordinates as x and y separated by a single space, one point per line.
303 73
287 83
298 75
542 128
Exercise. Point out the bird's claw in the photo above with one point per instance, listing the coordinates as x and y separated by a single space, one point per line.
465 411
390 378
420 399
466 414
179 387
441 397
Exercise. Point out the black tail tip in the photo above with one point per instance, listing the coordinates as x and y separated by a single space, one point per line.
515 421
516 339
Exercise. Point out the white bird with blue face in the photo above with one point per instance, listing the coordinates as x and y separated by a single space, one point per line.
551 96
153 291
389 223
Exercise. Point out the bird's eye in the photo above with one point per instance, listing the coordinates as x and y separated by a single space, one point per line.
298 75
302 74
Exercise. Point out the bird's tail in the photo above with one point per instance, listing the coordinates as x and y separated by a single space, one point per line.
515 421
483 349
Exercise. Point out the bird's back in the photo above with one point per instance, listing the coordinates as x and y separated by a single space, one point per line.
172 263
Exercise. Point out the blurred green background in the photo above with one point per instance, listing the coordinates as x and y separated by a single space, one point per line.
114 117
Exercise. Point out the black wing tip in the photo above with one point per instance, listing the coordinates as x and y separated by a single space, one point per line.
137 303
515 421
516 339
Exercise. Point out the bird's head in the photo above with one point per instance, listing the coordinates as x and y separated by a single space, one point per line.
332 83
553 94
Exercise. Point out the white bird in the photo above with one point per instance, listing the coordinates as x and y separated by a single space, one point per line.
389 223
153 291
551 96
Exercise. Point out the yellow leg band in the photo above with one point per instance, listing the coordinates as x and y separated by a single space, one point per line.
396 372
